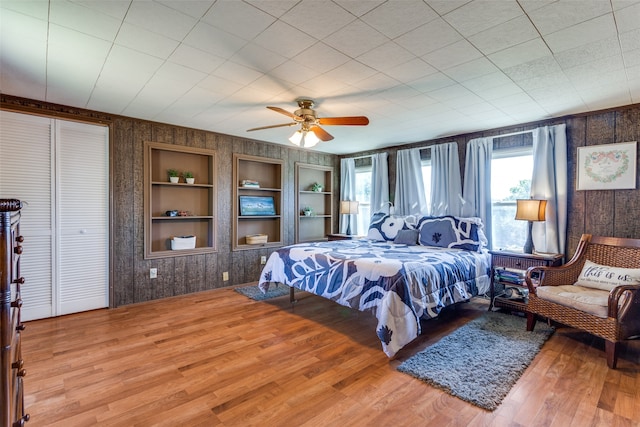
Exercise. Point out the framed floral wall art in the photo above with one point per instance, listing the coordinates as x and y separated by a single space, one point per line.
607 167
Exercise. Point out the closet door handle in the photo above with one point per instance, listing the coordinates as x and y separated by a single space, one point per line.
18 249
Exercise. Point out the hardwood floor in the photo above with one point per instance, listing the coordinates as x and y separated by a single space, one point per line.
217 358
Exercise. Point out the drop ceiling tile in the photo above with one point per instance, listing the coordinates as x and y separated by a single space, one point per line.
429 37
564 14
397 17
109 98
351 72
160 19
293 72
115 8
260 59
588 52
538 67
238 18
321 57
214 41
411 70
531 5
237 73
385 56
355 39
145 41
551 79
497 92
376 83
443 7
471 70
628 19
461 102
450 92
507 102
83 19
195 59
432 82
452 55
184 75
140 67
284 39
502 36
587 32
317 19
275 8
35 8
487 81
632 58
630 40
194 8
219 85
478 16
520 54
359 8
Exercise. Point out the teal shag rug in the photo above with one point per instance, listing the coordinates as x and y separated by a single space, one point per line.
481 361
255 293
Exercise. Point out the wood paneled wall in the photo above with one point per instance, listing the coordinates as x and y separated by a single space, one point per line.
609 213
613 213
129 276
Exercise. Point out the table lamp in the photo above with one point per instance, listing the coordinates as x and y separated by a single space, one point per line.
348 207
530 210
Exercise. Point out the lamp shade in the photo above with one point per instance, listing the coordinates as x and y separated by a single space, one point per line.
304 138
348 207
531 209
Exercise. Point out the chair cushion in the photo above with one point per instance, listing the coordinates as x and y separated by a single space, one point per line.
589 300
605 277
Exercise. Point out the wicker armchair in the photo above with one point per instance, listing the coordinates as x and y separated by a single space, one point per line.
622 318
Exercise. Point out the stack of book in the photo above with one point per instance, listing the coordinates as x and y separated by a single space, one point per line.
249 183
514 277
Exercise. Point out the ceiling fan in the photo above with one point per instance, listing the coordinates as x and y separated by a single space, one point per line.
310 132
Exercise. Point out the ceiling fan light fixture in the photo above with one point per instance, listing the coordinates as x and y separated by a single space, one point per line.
296 138
304 139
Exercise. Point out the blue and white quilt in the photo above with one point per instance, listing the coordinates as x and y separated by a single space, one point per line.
400 284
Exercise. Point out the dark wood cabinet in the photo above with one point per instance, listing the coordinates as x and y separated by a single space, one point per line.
12 369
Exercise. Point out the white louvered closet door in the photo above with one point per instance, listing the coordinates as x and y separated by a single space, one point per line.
60 169
25 173
82 212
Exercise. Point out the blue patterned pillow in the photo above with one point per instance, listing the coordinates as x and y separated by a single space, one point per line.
385 227
451 232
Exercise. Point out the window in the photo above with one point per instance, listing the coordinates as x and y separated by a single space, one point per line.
426 181
363 196
511 172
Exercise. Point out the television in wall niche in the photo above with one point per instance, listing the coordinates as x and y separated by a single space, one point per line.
257 206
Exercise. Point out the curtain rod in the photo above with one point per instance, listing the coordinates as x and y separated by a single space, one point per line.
512 134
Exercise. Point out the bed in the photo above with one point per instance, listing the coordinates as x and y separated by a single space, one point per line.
399 281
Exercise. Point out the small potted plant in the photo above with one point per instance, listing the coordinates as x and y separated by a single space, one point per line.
307 211
174 175
188 177
317 187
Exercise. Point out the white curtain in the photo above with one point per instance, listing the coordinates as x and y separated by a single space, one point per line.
549 182
446 189
477 182
410 198
348 192
379 183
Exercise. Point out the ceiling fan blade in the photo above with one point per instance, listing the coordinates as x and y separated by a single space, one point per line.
272 126
345 121
321 133
283 111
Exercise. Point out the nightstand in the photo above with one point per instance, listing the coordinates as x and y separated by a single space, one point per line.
508 270
338 236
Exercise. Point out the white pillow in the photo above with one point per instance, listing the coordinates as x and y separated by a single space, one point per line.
605 277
